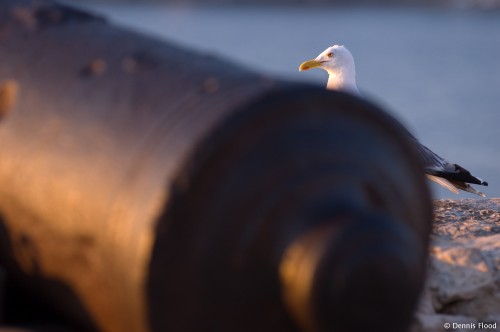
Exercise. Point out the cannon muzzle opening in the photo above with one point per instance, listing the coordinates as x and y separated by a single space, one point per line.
353 274
299 217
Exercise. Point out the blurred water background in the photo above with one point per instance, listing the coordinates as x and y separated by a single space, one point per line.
436 69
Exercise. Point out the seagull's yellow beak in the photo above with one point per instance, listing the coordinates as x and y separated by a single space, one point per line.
310 64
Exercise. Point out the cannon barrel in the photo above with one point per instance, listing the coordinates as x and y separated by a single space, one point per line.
145 187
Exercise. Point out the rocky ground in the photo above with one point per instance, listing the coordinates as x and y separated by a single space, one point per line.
463 287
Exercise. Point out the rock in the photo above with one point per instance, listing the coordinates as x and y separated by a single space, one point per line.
463 268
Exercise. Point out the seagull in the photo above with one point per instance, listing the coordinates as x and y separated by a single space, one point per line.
339 64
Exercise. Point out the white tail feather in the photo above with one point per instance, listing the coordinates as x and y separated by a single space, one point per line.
445 183
474 191
466 187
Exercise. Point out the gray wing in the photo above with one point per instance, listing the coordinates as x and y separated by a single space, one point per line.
438 166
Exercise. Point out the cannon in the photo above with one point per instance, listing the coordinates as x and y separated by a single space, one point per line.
145 187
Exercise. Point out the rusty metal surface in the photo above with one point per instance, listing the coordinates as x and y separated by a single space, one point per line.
146 187
107 141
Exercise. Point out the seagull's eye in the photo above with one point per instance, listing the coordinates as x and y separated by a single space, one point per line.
330 54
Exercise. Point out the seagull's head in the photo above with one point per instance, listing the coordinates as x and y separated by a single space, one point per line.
339 63
334 59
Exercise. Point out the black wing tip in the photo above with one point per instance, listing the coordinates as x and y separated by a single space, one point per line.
466 176
459 176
